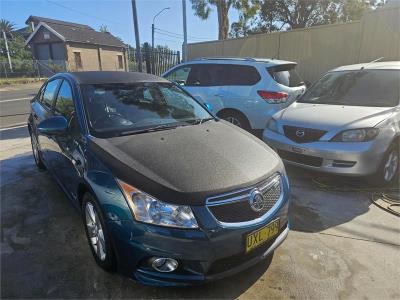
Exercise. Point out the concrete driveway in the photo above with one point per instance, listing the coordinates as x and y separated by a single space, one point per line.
340 246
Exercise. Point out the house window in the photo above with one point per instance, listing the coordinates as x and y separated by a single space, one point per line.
78 60
120 62
46 35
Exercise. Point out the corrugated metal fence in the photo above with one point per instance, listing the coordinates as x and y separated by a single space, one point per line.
320 48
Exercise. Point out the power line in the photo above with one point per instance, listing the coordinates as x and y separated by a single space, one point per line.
181 35
81 13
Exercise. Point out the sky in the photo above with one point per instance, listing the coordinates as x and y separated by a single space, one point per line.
117 15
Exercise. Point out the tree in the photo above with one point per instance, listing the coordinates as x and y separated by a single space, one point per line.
103 28
274 15
203 8
17 49
7 26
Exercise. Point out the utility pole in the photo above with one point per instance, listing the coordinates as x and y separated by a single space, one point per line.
152 39
184 48
8 52
135 25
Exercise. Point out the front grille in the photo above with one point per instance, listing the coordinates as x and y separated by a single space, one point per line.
235 207
230 262
309 160
302 135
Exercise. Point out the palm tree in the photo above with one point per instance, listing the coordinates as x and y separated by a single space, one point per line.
7 26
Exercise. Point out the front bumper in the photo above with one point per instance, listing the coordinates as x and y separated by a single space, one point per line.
205 254
353 159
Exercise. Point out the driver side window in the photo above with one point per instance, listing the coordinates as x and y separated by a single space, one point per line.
179 75
65 107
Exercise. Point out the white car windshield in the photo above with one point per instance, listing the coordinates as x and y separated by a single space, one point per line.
378 88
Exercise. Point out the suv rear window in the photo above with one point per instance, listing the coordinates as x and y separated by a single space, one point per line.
222 75
286 75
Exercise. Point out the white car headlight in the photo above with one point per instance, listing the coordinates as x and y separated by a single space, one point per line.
356 135
272 125
147 209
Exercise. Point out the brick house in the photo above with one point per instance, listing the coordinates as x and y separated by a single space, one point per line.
78 46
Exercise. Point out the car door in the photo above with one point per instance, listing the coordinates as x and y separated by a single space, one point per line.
41 110
199 80
69 158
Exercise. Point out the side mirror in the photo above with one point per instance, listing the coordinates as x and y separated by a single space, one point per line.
56 125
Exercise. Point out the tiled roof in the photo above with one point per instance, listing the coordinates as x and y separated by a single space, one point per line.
73 32
84 35
37 20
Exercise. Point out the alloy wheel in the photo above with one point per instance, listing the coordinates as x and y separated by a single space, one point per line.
35 149
95 231
391 165
234 121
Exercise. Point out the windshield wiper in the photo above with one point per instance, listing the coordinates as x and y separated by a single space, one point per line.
201 121
151 129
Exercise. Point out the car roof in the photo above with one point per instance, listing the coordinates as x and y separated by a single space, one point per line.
394 65
103 77
241 60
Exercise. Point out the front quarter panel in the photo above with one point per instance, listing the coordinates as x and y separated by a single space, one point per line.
107 191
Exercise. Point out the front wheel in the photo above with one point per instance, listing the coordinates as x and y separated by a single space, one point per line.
36 152
388 172
97 233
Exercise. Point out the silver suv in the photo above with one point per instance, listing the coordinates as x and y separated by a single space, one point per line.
347 123
243 91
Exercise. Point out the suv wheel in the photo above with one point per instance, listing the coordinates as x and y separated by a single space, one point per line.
97 233
388 172
37 155
236 119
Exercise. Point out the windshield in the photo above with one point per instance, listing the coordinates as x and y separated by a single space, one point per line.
117 109
378 88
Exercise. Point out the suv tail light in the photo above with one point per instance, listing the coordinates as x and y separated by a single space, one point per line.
273 97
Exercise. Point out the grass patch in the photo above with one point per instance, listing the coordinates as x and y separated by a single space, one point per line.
19 80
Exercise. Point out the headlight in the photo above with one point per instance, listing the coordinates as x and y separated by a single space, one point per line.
147 209
272 125
356 135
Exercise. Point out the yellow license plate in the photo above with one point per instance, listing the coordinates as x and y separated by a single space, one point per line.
260 236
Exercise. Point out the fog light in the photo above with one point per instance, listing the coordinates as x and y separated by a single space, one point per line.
164 264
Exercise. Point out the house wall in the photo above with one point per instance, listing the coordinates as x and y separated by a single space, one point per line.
91 54
89 57
109 58
320 48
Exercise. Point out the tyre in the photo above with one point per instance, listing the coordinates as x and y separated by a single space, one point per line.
388 172
237 119
37 154
97 234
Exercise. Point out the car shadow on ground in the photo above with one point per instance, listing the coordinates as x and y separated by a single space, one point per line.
14 133
44 247
320 201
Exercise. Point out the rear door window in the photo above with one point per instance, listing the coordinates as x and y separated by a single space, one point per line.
49 93
286 75
238 75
